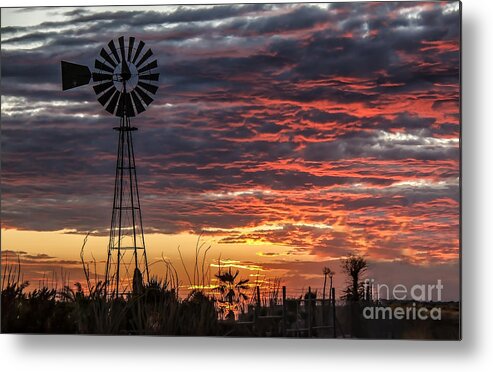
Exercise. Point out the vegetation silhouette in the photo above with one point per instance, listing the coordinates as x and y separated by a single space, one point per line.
155 308
231 291
354 266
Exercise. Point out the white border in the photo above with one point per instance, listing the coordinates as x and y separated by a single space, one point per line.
83 353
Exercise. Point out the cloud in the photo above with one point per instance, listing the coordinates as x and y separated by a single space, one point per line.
346 116
40 269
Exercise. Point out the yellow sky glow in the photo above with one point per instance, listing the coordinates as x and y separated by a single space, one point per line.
64 245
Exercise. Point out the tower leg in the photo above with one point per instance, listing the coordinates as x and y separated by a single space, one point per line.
126 241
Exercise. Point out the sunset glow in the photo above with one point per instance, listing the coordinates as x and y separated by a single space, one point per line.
283 137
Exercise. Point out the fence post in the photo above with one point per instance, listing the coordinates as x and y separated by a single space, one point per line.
284 314
309 310
333 300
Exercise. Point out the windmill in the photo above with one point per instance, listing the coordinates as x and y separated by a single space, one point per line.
124 83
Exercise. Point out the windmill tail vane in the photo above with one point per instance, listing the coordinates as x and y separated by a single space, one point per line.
124 80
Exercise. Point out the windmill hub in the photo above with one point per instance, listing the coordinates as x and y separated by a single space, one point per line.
129 76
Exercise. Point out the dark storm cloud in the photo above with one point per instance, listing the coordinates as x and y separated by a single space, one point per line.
29 67
114 19
361 144
181 14
302 17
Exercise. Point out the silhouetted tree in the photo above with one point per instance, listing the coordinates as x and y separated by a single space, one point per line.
354 266
231 291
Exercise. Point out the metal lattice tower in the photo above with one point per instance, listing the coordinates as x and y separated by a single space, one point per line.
123 84
126 233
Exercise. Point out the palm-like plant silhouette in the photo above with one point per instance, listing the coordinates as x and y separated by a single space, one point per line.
231 291
327 272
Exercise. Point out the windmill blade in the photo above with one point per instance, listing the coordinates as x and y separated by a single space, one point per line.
149 87
107 57
102 87
101 66
114 100
144 58
111 44
149 66
137 59
106 96
145 97
121 41
153 77
137 53
96 76
130 47
137 102
74 75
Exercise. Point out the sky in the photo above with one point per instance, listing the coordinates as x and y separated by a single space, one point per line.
287 135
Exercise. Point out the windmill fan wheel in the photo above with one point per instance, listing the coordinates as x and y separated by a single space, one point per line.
124 77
